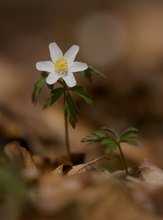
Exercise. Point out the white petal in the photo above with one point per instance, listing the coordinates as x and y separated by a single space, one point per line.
52 78
71 53
70 80
47 66
77 67
55 51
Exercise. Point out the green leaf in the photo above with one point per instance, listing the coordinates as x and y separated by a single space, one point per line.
37 89
112 131
92 69
92 139
100 134
129 130
97 136
81 91
71 110
132 141
130 136
109 141
111 144
56 93
109 149
111 138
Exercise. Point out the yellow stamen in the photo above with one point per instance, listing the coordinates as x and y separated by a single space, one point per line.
61 65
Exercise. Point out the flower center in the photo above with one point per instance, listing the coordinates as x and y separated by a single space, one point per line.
61 66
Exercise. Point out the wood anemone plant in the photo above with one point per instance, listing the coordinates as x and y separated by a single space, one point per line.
61 69
112 140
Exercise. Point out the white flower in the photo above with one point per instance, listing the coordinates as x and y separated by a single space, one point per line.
61 66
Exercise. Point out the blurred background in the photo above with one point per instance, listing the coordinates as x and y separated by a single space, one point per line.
123 39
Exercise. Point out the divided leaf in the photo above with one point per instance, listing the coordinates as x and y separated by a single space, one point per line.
96 137
56 93
132 142
130 136
111 138
37 89
71 110
129 130
90 139
81 91
102 137
100 134
112 131
110 142
110 149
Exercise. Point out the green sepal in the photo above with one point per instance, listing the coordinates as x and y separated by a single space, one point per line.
55 95
81 91
37 89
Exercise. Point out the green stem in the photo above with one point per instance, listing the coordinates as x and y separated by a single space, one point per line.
66 130
123 159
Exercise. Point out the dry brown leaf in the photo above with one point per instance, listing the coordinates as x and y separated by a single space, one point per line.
39 160
63 168
55 192
152 175
85 167
22 157
88 195
79 169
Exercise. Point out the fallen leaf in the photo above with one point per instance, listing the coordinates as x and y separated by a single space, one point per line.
63 169
85 167
151 175
89 195
22 158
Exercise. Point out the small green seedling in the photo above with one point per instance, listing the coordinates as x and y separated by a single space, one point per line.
112 140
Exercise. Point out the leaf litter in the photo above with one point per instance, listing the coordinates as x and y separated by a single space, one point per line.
81 191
